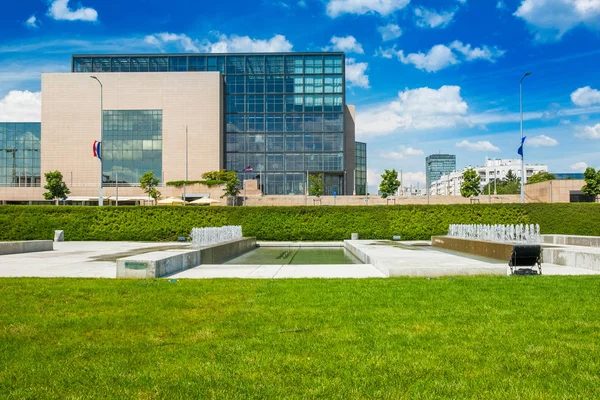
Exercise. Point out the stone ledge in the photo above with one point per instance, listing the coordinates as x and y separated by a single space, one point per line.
482 248
28 246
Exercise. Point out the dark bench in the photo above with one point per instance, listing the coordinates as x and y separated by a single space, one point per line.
524 258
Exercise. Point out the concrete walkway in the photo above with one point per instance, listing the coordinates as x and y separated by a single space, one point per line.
97 260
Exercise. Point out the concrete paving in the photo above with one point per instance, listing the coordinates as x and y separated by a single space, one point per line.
97 260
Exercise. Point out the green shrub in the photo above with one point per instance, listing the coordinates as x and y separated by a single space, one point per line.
412 222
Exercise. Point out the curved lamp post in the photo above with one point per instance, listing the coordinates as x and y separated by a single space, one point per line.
100 198
523 144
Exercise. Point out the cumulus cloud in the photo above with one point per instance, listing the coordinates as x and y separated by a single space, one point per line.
336 8
389 32
441 56
542 141
32 22
585 97
222 44
355 73
477 53
59 10
21 106
549 20
482 145
589 132
579 166
403 152
426 18
346 44
414 109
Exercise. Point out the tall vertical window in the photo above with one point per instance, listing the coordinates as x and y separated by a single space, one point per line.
132 145
20 154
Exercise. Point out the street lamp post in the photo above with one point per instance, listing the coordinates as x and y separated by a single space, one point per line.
186 165
522 144
100 156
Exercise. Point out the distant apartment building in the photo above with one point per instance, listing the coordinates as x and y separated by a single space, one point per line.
437 165
449 184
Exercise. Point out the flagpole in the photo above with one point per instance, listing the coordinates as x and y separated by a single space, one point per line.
522 144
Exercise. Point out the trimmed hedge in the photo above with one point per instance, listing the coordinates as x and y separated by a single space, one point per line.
412 222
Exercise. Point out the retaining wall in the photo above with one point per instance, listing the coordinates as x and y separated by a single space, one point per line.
28 246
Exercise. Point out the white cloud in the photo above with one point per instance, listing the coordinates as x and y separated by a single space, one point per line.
437 58
346 44
427 18
21 106
589 132
578 166
413 178
585 97
500 5
441 56
182 41
222 44
477 53
414 109
483 145
382 7
389 32
564 122
355 74
32 22
550 19
542 141
373 179
59 10
404 152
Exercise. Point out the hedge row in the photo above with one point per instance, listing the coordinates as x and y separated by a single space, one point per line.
412 222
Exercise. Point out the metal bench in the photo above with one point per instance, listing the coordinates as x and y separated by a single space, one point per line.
524 258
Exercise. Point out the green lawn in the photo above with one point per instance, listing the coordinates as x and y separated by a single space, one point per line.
508 338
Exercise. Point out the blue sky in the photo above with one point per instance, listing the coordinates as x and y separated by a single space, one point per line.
426 76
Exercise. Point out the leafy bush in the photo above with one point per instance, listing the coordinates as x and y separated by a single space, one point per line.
412 222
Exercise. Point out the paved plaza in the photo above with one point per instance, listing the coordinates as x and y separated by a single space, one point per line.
98 260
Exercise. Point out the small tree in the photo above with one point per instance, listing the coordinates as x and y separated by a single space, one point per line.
592 182
541 176
148 183
389 183
470 185
57 189
315 185
232 187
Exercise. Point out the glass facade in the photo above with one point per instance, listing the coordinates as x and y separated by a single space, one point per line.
132 145
20 154
437 165
284 113
361 169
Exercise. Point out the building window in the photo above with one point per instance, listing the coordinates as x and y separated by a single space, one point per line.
255 65
294 143
235 143
274 122
235 84
235 104
255 143
132 145
235 65
140 64
159 64
255 103
255 84
196 63
235 123
274 65
294 162
275 103
178 64
120 64
274 162
82 64
274 143
20 154
275 83
101 64
294 65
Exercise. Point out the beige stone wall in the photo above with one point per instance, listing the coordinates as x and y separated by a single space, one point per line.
372 200
71 123
557 191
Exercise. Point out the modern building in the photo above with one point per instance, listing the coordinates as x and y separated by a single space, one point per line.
437 165
493 169
361 169
274 117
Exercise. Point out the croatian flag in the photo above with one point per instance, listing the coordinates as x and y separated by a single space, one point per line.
520 151
97 153
248 169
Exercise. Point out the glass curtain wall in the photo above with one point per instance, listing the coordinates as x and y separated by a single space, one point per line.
20 154
283 112
132 145
361 169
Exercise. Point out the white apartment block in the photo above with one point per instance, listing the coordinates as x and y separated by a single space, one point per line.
492 169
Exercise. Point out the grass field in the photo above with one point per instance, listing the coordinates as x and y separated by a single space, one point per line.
508 338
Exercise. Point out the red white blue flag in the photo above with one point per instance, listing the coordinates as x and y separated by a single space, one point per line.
248 169
97 146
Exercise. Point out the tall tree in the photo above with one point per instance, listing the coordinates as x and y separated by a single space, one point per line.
232 187
315 187
56 188
389 183
470 185
148 183
592 182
